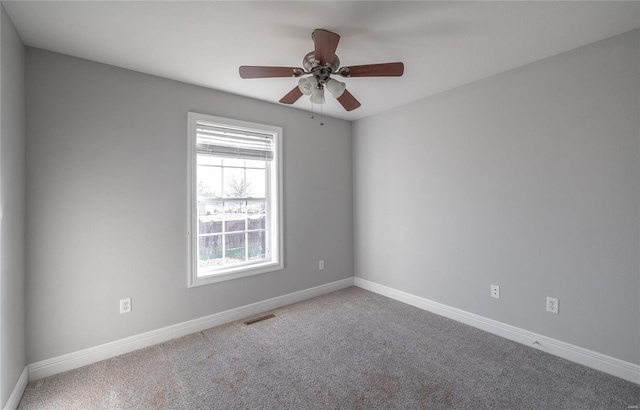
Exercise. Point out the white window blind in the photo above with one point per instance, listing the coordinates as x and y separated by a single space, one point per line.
219 141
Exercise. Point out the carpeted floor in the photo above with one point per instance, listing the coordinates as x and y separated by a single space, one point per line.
350 349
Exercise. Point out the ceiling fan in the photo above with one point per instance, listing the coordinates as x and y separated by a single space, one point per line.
321 63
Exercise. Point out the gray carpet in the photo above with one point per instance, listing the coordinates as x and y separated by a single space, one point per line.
350 349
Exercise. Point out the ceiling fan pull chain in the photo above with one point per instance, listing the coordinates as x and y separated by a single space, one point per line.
321 122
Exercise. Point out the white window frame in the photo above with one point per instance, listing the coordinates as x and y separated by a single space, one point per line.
274 207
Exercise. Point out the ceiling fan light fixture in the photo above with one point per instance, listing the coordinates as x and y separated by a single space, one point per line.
317 96
307 85
335 87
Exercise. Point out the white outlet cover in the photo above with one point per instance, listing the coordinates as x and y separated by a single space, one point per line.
553 305
125 305
495 291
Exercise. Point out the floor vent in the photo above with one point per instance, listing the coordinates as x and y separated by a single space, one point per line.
259 319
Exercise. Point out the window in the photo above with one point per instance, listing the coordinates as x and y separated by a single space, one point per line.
234 199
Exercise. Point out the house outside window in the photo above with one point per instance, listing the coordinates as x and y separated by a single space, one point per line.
235 199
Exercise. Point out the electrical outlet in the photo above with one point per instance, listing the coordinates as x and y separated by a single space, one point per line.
125 305
495 291
321 265
552 305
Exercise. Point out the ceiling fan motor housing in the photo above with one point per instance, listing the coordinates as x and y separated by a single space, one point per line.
320 72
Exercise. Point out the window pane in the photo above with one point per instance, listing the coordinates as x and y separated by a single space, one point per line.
209 182
255 183
255 164
235 225
256 222
234 183
208 206
208 224
257 245
256 207
208 160
232 162
235 248
210 251
235 208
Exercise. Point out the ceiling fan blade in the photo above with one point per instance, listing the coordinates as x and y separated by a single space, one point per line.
326 44
247 71
348 101
292 96
373 70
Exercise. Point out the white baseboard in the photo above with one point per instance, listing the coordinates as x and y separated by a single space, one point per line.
95 354
18 390
595 360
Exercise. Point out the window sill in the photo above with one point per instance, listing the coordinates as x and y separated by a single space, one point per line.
235 273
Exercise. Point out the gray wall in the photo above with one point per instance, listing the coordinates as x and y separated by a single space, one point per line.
107 217
528 180
12 204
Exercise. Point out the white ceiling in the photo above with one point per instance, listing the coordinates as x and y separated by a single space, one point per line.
442 44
